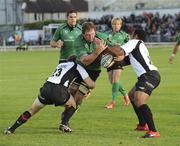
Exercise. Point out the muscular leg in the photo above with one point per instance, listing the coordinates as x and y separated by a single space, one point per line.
36 106
141 102
115 83
70 110
141 120
114 76
116 79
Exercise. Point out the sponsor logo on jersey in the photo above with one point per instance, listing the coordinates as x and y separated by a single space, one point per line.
149 84
142 88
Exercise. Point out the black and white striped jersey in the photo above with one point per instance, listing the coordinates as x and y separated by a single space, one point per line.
66 72
138 56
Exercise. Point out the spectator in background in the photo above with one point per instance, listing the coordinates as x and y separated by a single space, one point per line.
40 40
175 49
65 35
114 72
17 38
1 40
165 27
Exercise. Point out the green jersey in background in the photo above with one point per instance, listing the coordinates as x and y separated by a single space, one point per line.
178 38
68 35
119 37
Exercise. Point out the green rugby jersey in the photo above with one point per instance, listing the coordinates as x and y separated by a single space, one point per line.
84 48
119 37
68 35
178 38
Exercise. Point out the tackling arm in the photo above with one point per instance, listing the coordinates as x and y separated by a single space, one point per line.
116 51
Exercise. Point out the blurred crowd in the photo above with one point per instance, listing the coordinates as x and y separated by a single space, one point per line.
159 28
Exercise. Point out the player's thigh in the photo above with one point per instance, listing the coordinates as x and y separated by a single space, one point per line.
36 106
140 98
116 75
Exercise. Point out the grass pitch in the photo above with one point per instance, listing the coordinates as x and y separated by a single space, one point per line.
23 73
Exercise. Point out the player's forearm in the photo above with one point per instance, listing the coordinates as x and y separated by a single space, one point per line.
90 83
86 60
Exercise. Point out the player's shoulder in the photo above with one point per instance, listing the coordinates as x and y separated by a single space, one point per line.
78 26
62 26
132 42
101 35
178 35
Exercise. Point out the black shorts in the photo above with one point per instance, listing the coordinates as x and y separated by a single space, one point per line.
94 74
148 82
53 94
116 65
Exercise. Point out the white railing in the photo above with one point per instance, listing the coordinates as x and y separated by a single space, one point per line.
47 47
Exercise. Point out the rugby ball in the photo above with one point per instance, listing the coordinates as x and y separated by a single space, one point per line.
107 60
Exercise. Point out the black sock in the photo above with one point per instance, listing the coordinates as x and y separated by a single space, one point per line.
21 120
142 122
146 112
67 114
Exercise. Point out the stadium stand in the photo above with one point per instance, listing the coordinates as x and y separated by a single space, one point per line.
159 28
119 5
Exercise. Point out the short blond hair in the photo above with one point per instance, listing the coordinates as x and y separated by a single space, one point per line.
115 19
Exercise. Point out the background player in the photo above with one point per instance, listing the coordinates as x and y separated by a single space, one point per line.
175 49
65 35
114 72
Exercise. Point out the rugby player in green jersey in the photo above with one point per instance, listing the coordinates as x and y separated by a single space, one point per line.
114 72
88 50
89 47
65 35
64 38
175 49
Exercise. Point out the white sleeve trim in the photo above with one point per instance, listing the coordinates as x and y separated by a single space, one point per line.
82 72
